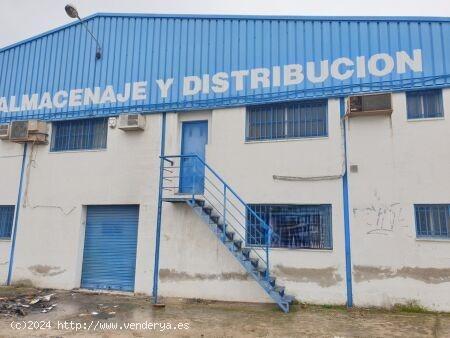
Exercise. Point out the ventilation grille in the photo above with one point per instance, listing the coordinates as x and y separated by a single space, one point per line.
370 104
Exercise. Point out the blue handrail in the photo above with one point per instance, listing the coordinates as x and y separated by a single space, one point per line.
265 229
265 225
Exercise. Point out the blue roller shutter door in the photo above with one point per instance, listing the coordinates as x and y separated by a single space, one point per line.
109 259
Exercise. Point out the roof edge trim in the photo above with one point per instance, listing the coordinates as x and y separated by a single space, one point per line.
226 16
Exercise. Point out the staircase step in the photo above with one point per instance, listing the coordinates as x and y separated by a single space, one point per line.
237 243
215 218
256 267
262 271
272 280
200 203
288 299
207 210
246 252
279 289
230 235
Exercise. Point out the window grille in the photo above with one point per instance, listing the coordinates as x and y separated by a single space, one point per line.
433 220
287 120
295 226
79 134
424 104
6 220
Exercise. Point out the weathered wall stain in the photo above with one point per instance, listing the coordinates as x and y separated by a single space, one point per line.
23 283
46 270
381 218
324 277
363 273
172 275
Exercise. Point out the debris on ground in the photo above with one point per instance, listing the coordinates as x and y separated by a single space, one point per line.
21 305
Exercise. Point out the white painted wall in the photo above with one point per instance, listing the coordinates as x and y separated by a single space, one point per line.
50 235
10 163
400 163
311 275
394 161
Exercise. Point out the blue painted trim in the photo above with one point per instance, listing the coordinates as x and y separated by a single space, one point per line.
245 17
16 216
159 214
346 211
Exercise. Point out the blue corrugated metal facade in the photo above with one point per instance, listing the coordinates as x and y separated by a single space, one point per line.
145 48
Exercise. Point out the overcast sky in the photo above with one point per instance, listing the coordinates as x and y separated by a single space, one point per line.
20 19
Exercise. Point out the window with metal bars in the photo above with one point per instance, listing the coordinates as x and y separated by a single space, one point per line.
79 134
6 220
424 104
287 120
432 220
294 226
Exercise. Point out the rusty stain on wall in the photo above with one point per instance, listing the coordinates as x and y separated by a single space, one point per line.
324 277
172 275
381 218
362 273
46 270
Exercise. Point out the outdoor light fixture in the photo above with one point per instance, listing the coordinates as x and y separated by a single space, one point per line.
73 13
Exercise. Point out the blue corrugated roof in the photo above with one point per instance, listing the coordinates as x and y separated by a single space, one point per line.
358 54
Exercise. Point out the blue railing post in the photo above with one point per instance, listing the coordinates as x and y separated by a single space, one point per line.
16 217
269 235
194 168
224 211
159 212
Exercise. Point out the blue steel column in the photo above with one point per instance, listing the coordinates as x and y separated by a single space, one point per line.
158 221
16 216
346 206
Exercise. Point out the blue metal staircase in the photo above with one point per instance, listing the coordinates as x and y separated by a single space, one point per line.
227 215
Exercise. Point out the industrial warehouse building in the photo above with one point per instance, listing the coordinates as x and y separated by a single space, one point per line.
255 159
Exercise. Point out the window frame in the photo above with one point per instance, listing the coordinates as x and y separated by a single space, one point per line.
262 243
81 138
422 93
286 121
416 221
11 211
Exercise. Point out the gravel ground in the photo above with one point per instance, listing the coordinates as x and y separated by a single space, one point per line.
118 315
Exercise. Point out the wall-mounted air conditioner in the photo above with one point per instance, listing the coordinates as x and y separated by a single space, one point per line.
131 122
28 131
369 105
4 131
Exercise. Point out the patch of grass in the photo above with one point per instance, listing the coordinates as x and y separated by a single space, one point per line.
333 307
410 307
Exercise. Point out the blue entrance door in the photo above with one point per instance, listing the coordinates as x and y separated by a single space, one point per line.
192 171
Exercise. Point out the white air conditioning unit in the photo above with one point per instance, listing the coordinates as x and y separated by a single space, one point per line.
4 131
28 131
369 105
131 122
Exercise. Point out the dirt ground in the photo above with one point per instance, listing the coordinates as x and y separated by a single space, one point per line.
114 315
